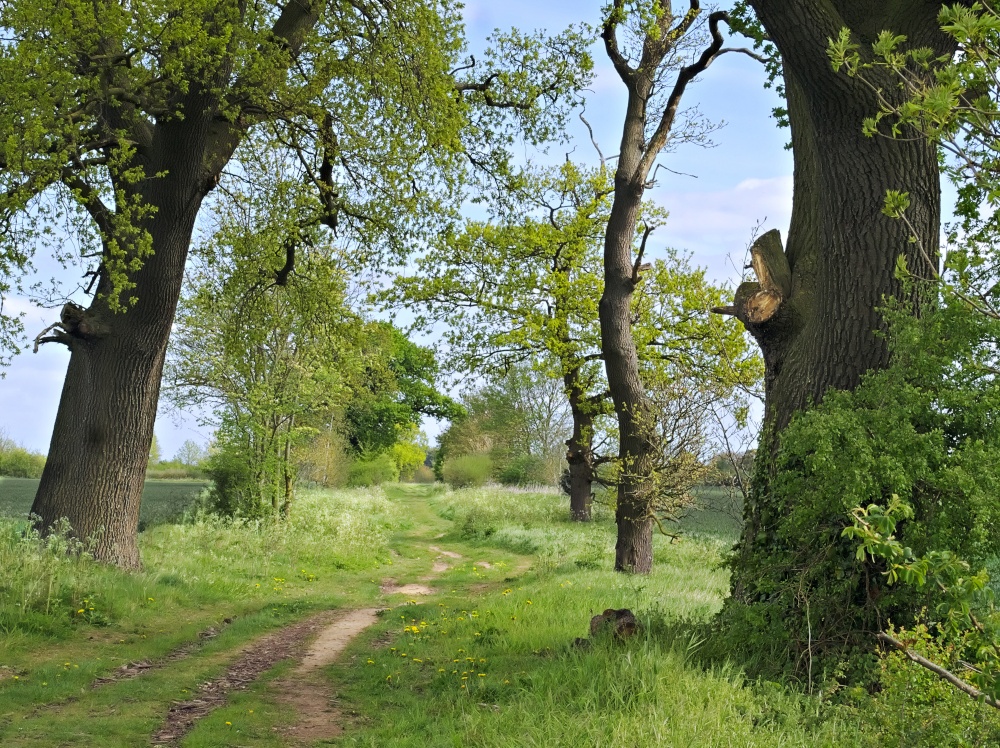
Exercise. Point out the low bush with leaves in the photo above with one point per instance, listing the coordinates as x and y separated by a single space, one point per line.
526 470
18 462
372 471
467 470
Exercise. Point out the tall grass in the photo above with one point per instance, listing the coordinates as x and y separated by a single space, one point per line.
49 585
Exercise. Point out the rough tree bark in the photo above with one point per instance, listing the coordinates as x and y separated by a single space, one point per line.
814 311
104 426
580 447
636 156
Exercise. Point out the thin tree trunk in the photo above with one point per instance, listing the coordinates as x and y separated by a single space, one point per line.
634 548
580 449
286 506
636 155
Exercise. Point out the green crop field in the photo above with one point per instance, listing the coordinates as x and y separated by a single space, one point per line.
162 500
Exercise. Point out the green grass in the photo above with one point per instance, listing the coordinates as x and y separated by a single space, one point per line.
489 660
162 500
57 609
498 668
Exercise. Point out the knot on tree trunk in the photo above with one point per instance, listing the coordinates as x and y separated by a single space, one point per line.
75 323
80 323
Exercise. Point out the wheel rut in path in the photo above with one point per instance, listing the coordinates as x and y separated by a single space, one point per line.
305 690
254 659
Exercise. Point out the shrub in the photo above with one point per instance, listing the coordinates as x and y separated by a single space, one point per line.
468 470
423 474
526 470
174 470
324 460
373 471
17 462
922 432
236 492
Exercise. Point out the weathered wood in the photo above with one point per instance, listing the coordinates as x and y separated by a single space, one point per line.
767 257
762 306
755 303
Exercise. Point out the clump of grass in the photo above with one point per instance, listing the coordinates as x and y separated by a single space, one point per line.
44 582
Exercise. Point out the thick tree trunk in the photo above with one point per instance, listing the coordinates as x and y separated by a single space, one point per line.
104 426
819 328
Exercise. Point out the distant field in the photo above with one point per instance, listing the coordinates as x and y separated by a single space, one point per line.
716 513
162 500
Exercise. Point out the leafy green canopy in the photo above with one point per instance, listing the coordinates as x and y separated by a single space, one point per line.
524 287
396 388
267 341
108 107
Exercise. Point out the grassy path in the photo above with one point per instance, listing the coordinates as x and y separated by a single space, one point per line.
484 659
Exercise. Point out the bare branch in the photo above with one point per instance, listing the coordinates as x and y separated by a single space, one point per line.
60 337
763 59
638 266
593 140
686 75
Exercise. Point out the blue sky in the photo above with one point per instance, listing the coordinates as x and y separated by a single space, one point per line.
743 180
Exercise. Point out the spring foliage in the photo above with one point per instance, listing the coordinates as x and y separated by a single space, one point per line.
922 434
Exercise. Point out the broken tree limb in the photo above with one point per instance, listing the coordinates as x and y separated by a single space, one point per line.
757 302
44 337
767 257
939 671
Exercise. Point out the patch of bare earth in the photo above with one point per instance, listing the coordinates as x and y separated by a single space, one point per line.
389 587
304 690
440 564
254 659
447 554
307 692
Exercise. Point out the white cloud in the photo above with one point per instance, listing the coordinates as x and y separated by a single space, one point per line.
717 225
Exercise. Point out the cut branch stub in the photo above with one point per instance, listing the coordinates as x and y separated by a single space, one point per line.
756 303
767 257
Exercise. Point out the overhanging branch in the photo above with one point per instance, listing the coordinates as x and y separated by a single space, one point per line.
939 671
